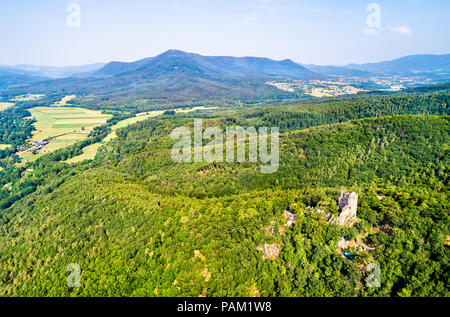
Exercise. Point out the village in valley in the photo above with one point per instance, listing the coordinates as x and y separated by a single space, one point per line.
339 86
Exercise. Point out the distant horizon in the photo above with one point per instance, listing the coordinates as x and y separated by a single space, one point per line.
80 32
130 61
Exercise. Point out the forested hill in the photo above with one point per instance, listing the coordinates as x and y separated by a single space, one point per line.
224 65
10 77
139 224
177 76
301 116
413 65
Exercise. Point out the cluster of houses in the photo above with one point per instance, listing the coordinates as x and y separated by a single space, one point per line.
38 145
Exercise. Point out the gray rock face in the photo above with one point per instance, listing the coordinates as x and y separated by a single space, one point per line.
290 218
348 203
271 251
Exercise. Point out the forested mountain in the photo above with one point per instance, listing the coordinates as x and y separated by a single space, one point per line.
139 224
413 65
11 77
116 68
223 65
338 71
61 71
181 77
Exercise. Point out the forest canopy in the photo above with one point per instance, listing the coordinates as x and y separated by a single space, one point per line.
139 224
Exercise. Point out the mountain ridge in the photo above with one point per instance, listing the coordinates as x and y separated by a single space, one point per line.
183 77
405 64
235 66
408 65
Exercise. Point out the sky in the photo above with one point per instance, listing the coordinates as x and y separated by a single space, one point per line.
323 32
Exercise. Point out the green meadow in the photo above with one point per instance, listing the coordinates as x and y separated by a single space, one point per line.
52 122
64 126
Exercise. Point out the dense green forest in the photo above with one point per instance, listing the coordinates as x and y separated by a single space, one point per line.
139 224
14 128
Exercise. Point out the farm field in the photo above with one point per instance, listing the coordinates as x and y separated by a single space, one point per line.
67 121
63 125
4 146
144 116
5 105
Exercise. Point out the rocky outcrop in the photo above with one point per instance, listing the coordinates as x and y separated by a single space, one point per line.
271 251
290 218
345 244
348 204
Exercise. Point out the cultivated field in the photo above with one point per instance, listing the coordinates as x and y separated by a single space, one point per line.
5 105
146 115
64 126
129 121
67 121
90 151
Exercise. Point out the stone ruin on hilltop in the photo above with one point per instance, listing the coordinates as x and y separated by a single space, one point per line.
348 204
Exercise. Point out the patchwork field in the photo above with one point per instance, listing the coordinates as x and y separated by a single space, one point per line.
5 105
63 126
67 121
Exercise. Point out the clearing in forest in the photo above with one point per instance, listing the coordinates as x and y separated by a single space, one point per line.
64 100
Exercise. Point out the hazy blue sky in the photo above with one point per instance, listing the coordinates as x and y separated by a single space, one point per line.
309 31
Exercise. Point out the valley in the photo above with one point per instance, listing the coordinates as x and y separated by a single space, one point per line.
176 79
252 156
